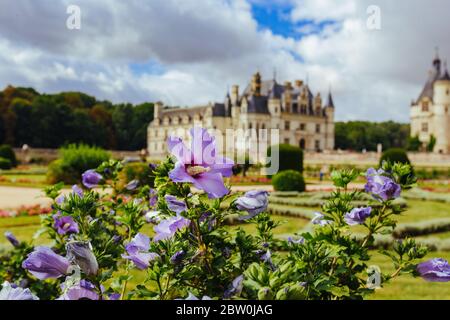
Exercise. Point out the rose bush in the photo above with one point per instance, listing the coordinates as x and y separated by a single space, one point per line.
98 238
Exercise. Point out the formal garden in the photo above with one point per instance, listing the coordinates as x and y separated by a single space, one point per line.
114 229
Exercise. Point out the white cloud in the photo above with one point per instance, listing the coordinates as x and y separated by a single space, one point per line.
205 46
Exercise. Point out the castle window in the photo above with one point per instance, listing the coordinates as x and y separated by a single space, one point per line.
424 127
286 125
317 128
448 91
317 145
425 106
286 140
302 126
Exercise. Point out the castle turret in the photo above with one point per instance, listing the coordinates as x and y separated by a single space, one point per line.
441 99
329 113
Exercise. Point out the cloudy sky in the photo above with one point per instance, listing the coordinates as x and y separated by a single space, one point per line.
187 52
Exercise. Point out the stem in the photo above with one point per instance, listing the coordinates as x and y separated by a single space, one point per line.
127 270
396 272
124 286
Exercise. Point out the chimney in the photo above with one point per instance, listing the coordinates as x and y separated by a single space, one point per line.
256 84
157 110
234 94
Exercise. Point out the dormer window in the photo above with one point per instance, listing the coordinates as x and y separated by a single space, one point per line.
425 107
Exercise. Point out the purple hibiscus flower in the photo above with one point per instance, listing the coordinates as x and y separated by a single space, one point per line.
178 257
10 292
200 165
254 202
60 199
132 185
84 290
292 241
435 270
43 263
192 297
152 217
12 239
137 250
319 219
153 197
167 228
174 204
357 216
80 253
91 178
235 287
76 190
381 187
65 224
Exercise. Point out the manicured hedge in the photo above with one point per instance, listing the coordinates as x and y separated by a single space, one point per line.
419 194
5 164
73 161
422 228
289 180
7 152
395 155
290 157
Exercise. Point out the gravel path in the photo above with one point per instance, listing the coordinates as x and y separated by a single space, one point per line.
13 197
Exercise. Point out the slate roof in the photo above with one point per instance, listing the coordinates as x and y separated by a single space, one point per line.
258 104
221 110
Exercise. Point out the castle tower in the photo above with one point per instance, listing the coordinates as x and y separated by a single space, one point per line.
441 123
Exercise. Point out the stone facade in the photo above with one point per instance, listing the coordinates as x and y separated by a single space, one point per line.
301 117
430 113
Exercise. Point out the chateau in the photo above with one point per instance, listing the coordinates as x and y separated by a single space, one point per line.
430 113
301 117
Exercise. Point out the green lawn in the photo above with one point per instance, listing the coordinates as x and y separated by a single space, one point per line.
406 287
29 176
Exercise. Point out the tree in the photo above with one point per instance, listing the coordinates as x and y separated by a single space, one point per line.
431 144
414 143
358 135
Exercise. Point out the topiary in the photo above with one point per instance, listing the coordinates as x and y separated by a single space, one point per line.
290 157
7 152
5 164
288 180
395 155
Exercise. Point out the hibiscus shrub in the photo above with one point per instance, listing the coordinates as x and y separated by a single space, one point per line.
192 253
